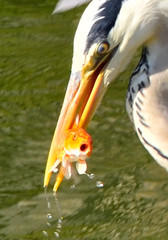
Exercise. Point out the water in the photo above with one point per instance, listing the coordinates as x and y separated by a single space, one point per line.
36 51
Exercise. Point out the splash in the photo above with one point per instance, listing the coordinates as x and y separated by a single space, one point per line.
51 219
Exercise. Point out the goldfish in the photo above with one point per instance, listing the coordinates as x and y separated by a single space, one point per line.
76 147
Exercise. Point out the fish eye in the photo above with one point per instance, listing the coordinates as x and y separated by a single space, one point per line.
83 147
103 48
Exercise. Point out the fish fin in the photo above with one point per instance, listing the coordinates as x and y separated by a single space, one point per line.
57 162
64 160
81 166
68 170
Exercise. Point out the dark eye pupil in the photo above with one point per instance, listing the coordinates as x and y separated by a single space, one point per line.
83 147
101 49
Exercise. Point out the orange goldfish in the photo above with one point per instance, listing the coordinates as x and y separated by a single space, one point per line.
76 147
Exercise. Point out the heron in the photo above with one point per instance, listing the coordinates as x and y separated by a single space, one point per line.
108 35
65 5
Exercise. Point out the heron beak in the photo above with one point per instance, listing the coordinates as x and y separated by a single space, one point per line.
84 93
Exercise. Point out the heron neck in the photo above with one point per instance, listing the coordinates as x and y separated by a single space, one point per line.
158 52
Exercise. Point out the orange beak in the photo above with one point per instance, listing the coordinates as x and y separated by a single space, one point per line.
83 95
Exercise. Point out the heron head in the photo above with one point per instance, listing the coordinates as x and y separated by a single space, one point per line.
108 34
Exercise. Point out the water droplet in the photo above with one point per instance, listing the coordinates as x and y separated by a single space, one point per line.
47 200
60 220
49 216
73 186
48 224
91 176
55 170
99 184
58 206
48 205
56 234
45 233
59 226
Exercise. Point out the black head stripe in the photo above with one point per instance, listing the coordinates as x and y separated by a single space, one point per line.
101 28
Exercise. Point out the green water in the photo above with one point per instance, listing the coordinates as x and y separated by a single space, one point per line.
35 61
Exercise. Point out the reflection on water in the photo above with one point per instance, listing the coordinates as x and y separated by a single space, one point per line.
36 50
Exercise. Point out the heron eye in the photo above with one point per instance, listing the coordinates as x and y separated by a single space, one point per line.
103 48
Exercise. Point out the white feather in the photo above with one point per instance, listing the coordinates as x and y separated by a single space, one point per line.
65 5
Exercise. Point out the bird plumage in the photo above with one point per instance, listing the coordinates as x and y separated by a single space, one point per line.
65 5
108 34
147 104
105 18
132 24
147 95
